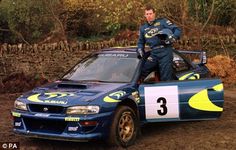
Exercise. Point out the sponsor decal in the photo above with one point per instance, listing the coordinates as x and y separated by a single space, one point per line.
136 96
17 124
42 115
72 119
51 98
153 32
157 24
73 128
114 97
169 22
114 55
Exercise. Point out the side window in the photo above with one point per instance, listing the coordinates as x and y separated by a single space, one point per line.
179 64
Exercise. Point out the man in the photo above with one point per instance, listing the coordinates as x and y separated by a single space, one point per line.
151 33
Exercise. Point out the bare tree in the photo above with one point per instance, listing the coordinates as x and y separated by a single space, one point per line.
184 14
209 16
59 25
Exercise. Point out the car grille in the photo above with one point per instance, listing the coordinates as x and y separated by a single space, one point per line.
45 125
46 108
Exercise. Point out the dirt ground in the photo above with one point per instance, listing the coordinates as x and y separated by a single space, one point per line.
218 134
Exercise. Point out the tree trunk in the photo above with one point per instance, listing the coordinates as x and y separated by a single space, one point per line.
184 14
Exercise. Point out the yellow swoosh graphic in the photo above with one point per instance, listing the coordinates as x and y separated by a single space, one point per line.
110 100
51 95
192 77
201 100
218 87
117 94
35 98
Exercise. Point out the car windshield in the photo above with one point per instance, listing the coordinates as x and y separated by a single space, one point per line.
105 67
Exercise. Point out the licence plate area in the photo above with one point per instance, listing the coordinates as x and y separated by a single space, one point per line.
43 125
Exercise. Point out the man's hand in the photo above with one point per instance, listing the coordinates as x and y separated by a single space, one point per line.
140 53
172 39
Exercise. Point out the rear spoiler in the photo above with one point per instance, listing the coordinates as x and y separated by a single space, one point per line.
201 55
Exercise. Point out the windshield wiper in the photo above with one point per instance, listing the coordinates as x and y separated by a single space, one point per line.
101 81
92 80
64 79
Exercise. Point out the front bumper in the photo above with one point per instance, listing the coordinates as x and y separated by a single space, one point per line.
61 127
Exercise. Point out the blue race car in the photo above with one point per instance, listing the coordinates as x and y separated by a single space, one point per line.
102 97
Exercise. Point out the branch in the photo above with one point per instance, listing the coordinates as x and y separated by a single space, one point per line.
20 36
16 33
5 30
210 15
55 17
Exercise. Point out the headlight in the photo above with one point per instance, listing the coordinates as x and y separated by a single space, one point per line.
82 110
20 105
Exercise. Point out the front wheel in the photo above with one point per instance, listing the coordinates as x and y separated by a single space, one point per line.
124 128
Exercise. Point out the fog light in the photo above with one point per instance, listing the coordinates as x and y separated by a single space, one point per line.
88 123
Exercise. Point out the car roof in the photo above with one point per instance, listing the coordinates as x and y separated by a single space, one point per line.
132 49
120 49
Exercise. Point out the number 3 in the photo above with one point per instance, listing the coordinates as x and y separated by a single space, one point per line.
162 112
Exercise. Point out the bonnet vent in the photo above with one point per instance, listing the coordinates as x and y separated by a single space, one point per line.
72 86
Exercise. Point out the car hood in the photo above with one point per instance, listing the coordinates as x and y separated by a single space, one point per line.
69 93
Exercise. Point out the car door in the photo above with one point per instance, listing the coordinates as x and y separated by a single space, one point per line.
181 100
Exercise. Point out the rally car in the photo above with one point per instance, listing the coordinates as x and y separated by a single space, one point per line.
102 97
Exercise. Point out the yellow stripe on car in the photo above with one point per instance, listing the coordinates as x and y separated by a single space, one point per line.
110 100
201 100
190 76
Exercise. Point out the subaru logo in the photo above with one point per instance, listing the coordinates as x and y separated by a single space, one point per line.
45 109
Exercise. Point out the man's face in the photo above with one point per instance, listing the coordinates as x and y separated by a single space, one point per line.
150 15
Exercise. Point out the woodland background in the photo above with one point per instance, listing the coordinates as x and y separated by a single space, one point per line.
41 39
39 21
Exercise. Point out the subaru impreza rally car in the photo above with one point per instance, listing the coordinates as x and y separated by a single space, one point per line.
102 97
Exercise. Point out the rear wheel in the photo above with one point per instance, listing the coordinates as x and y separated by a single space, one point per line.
124 127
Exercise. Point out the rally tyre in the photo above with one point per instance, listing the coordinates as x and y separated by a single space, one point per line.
124 127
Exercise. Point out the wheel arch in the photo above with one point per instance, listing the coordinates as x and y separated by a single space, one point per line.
130 103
